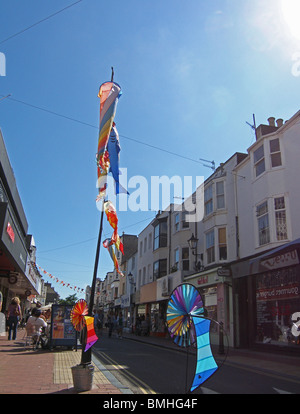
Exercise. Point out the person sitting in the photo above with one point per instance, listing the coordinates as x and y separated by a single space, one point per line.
36 322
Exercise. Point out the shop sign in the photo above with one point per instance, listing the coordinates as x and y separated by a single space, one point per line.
162 288
281 260
10 232
202 280
279 292
223 271
125 301
117 302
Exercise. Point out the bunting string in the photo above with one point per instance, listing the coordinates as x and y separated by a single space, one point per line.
55 279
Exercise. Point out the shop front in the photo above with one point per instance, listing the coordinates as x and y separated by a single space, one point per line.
149 311
17 277
215 290
268 299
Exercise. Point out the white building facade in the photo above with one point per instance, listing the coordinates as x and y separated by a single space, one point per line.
267 275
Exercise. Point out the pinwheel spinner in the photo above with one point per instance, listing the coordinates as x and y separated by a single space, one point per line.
187 325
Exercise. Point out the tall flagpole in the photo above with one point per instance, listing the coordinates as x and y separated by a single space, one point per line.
86 357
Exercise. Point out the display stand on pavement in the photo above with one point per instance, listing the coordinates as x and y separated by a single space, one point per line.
62 332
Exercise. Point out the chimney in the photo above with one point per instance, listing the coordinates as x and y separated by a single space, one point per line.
271 121
279 122
262 130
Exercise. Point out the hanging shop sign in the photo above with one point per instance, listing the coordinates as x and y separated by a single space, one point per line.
12 241
223 271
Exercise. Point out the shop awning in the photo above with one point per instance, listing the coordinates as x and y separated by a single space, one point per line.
282 256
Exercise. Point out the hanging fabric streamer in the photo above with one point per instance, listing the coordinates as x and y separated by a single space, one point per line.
109 94
91 334
113 148
109 246
112 218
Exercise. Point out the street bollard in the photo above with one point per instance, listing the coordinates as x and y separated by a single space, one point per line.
221 339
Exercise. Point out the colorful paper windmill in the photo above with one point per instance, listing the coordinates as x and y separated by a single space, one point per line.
184 303
187 325
78 312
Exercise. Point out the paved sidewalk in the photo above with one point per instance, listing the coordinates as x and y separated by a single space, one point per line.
28 371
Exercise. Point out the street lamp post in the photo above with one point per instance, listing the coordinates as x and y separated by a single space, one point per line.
131 281
86 356
193 243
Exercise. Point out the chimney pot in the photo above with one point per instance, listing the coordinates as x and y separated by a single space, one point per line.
279 122
271 121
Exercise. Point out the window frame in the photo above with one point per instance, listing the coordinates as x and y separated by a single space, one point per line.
275 152
208 200
263 216
220 196
258 161
185 258
222 244
210 248
277 211
161 271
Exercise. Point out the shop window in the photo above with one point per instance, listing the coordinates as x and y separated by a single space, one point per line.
220 194
263 223
280 218
259 161
210 246
275 153
208 200
222 243
159 268
185 258
277 307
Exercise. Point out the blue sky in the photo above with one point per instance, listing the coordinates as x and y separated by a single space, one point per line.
192 73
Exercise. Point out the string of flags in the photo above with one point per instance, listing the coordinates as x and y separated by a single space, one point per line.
61 282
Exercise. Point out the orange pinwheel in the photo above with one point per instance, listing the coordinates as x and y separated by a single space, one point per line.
78 312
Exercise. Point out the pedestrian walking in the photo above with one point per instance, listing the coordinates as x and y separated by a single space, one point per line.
13 316
110 323
120 326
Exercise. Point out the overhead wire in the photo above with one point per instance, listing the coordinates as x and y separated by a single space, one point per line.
39 22
96 127
93 238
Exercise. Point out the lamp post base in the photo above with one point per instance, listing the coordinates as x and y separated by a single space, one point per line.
83 377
